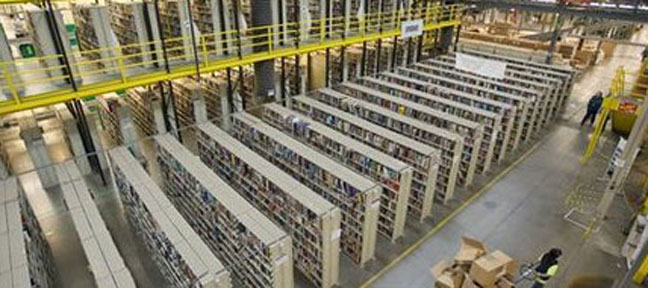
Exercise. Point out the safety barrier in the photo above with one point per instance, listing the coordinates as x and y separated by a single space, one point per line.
33 82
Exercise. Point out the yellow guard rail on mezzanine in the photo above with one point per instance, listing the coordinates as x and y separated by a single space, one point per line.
35 82
611 103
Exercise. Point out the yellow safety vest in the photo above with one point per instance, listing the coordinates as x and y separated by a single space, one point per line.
543 278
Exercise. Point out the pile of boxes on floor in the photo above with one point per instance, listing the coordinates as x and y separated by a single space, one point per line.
474 267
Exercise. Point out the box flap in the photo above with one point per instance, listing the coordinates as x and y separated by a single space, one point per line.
440 267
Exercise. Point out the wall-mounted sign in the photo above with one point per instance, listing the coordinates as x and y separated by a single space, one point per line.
412 28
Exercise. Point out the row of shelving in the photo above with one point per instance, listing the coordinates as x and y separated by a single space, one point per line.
566 75
25 256
357 197
143 102
506 111
105 262
544 97
182 257
484 92
531 98
401 87
395 176
258 252
423 158
451 145
95 34
471 132
312 222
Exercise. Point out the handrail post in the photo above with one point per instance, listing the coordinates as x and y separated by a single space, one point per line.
322 29
269 30
120 63
7 73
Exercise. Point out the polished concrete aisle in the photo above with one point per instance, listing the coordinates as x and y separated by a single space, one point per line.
522 214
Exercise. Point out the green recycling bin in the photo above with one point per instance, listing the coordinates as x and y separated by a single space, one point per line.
27 50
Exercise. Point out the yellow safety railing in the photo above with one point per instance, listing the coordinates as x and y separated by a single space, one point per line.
47 80
611 102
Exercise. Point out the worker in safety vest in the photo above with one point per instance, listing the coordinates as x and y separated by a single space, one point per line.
547 267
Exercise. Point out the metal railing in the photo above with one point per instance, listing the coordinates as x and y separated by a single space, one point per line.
47 79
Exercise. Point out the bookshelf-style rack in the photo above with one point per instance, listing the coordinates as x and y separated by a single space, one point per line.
465 85
544 103
111 111
531 71
214 87
258 252
507 111
186 91
182 257
357 197
292 72
565 74
394 175
471 132
491 121
312 221
336 65
535 99
25 256
95 33
105 262
129 25
450 144
423 158
142 102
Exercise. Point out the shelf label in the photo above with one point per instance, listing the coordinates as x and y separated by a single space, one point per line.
412 28
336 234
482 66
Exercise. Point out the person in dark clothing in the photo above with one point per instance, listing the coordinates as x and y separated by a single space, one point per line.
644 54
593 107
547 267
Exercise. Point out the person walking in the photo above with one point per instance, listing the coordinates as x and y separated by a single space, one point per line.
593 107
547 267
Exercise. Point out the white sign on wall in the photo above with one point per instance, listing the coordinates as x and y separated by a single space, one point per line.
412 28
482 66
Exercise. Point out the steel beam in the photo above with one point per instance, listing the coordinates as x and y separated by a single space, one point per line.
622 14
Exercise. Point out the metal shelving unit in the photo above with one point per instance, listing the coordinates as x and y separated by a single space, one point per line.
506 111
423 158
404 89
450 144
474 88
25 256
312 221
258 251
105 263
357 197
470 131
533 97
182 257
394 175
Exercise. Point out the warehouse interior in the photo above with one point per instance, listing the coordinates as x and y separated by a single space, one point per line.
323 143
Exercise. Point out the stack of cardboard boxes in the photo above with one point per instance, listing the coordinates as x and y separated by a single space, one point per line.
475 267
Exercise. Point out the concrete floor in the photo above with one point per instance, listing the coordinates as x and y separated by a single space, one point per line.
522 214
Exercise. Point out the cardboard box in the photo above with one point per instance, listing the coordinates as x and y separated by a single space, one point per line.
450 279
504 283
487 269
470 250
440 268
468 282
511 266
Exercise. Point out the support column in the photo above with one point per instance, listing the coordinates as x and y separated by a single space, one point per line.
264 80
554 37
446 33
624 164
